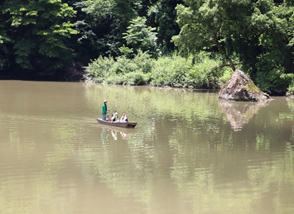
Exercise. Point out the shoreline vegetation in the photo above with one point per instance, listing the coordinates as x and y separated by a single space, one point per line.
183 43
175 71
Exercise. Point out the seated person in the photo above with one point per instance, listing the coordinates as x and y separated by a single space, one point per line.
124 118
114 116
108 118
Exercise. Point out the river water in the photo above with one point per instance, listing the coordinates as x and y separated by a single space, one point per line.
189 153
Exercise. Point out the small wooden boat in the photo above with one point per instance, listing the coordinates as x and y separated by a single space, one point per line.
118 124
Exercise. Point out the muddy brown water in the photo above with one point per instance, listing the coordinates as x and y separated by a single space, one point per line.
190 152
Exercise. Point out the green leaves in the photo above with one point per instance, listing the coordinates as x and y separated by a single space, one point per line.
38 30
253 29
98 9
139 36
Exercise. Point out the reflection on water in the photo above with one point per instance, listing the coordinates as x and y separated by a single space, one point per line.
184 156
106 132
104 136
240 113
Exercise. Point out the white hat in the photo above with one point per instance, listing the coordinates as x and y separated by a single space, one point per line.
105 101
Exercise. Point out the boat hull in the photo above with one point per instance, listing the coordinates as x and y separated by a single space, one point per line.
117 124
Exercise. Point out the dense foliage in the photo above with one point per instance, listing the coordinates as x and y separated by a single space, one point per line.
259 32
35 35
173 71
55 39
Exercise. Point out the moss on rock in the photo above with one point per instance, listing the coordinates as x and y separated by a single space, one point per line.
241 88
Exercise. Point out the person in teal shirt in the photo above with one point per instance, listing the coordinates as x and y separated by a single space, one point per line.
104 110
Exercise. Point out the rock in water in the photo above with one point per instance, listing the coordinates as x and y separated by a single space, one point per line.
241 88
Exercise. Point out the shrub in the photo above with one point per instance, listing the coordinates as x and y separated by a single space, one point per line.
205 73
122 66
173 70
144 61
99 69
274 79
226 75
170 71
135 78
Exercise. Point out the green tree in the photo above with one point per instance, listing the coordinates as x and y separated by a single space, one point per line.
204 25
162 15
139 36
5 40
104 22
274 66
35 33
260 32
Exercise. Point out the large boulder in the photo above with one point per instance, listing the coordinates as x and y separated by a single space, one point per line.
241 88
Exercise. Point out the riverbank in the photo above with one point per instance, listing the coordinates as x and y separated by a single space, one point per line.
170 71
201 72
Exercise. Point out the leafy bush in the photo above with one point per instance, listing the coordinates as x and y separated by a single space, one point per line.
131 71
173 70
170 71
290 89
291 84
122 66
273 79
99 69
226 75
133 78
136 78
271 73
207 73
144 61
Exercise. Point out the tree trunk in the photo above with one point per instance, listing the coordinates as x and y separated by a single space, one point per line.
223 51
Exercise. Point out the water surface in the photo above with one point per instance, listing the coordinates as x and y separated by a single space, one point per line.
190 152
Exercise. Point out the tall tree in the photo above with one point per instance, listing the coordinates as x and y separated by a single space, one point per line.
163 14
5 40
258 31
204 24
36 34
139 36
104 23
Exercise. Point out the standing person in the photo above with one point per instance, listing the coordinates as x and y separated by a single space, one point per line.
104 110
